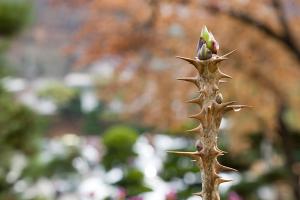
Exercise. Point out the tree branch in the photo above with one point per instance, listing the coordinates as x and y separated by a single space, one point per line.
284 39
282 18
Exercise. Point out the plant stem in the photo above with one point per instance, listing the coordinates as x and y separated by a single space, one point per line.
212 109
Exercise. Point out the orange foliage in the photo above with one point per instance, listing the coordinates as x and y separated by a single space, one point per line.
147 35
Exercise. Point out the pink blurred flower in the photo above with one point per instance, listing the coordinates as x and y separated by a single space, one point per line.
171 196
122 194
234 196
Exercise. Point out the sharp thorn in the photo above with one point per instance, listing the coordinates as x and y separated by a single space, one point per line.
229 53
200 194
190 60
216 176
223 75
200 116
235 108
219 59
222 106
198 128
217 152
197 100
223 81
189 79
217 148
193 155
221 168
221 180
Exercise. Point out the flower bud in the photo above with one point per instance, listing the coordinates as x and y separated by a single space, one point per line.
215 47
205 34
204 53
209 39
200 44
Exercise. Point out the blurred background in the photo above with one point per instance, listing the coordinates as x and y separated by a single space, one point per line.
89 103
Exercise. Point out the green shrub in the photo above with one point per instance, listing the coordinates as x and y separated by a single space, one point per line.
14 15
119 141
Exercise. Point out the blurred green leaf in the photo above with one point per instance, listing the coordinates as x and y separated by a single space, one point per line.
119 141
14 15
133 182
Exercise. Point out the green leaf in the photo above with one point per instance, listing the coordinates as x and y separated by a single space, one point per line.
205 34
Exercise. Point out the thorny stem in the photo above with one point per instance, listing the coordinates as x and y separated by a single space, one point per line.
212 109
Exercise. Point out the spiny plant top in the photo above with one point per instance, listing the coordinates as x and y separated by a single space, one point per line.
212 108
207 45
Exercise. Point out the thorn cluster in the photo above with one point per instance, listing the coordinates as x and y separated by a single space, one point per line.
212 109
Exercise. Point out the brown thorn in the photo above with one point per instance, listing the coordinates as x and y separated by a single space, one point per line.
198 128
236 107
200 194
223 75
189 79
219 59
216 152
221 168
189 60
193 155
216 176
197 100
223 57
217 148
222 106
228 54
221 180
200 116
228 103
222 81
